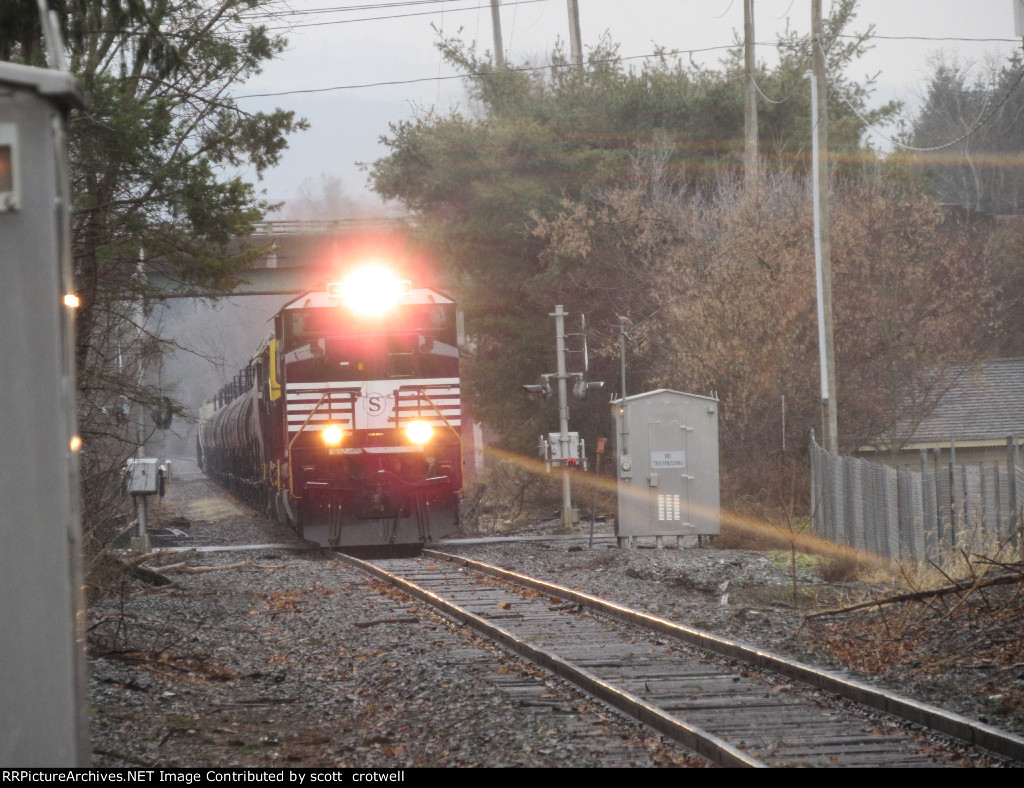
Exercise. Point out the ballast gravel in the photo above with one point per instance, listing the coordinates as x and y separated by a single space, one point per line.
283 656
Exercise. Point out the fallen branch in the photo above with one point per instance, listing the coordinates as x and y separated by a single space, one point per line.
928 593
184 568
158 576
151 576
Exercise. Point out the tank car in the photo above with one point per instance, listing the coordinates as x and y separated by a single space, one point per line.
346 422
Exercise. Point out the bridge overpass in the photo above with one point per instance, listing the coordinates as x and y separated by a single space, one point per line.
294 256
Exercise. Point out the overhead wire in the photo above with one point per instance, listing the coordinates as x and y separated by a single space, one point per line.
386 17
447 9
983 118
469 75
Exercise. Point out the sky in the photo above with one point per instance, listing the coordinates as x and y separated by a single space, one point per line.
348 56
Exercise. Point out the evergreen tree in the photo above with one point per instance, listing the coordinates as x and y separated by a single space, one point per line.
151 161
972 136
539 136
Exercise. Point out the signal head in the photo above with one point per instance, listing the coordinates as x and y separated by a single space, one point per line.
539 391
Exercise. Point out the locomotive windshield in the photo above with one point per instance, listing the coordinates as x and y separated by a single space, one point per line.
325 344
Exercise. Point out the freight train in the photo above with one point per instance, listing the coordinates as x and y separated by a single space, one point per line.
345 424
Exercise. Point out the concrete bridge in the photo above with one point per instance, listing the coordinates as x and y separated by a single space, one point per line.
295 256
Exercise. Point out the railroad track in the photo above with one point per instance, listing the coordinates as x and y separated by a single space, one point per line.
732 704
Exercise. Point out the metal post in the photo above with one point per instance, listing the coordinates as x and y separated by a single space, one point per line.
1011 473
927 520
593 510
563 415
822 235
940 508
622 361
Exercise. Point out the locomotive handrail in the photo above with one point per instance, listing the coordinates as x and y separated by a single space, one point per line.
291 471
288 453
420 390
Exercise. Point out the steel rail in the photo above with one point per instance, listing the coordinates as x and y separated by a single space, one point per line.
955 725
696 739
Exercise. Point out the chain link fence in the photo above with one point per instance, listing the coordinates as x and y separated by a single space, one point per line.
911 515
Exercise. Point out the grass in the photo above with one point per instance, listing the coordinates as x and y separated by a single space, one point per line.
835 563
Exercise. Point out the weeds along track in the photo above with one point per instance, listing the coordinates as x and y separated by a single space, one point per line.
734 705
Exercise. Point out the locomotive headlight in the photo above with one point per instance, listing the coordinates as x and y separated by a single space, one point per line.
419 432
370 291
332 435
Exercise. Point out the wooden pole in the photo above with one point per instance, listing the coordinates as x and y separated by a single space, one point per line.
499 49
575 38
750 162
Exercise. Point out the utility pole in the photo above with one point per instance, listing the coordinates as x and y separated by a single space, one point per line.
575 38
563 415
1018 19
499 49
822 238
750 162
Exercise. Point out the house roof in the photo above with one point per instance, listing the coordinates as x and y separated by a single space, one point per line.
983 403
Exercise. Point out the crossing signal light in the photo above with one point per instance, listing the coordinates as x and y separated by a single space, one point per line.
539 391
581 387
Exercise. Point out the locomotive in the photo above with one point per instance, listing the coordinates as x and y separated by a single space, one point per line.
345 424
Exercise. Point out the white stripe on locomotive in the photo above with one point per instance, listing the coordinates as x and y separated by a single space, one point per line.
437 401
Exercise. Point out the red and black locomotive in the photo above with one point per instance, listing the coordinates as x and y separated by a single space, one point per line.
346 422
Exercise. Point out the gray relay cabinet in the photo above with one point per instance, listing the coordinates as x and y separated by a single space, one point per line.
43 682
667 453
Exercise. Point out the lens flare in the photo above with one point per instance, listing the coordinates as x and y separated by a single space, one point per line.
372 291
419 432
332 435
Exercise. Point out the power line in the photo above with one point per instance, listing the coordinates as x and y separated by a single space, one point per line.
347 8
983 118
516 3
386 17
958 39
518 69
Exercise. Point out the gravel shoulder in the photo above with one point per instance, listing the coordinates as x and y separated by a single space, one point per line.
282 658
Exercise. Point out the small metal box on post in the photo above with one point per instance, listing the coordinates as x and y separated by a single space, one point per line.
667 453
145 478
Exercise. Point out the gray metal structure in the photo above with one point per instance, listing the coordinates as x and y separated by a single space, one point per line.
667 453
42 663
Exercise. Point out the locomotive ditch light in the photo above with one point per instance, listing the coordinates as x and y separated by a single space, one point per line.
419 432
332 434
370 291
